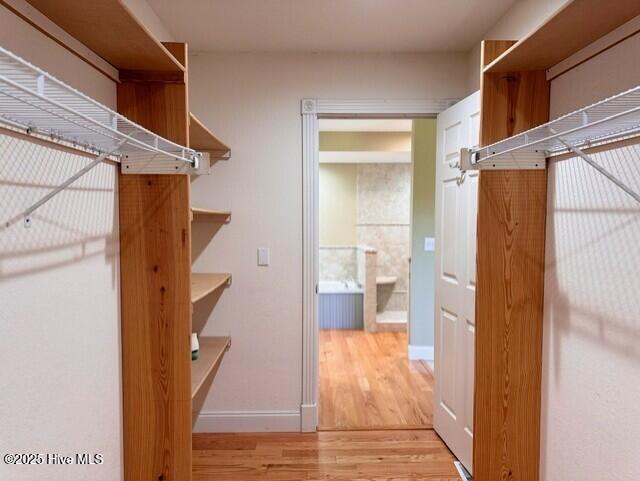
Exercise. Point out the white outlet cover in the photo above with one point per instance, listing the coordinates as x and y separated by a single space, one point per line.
429 244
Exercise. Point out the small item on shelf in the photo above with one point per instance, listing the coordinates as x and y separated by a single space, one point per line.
195 346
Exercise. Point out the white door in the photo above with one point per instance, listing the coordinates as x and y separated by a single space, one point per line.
456 210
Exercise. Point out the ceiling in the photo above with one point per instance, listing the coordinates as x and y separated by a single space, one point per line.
330 25
366 125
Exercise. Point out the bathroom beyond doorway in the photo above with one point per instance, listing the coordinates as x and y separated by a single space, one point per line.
376 292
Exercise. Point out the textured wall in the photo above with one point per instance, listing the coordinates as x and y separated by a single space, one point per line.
338 263
60 382
591 348
384 198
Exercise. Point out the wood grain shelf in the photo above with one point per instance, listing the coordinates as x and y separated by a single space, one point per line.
209 356
573 27
207 215
203 140
204 284
111 30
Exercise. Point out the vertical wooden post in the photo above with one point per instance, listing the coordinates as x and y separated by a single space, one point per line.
510 283
155 264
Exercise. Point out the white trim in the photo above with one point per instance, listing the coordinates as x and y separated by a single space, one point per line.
308 418
402 108
247 421
364 157
311 110
310 262
420 353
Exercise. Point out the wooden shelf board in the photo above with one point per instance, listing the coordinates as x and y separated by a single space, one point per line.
204 284
207 215
203 140
569 30
111 30
209 356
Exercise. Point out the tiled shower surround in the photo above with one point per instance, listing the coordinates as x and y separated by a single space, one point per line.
383 223
382 230
338 263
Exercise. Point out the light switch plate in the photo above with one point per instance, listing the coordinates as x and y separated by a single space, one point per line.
263 256
429 244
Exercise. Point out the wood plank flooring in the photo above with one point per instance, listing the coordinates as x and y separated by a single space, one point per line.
326 456
367 382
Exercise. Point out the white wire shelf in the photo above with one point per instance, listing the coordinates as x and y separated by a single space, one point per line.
39 104
605 121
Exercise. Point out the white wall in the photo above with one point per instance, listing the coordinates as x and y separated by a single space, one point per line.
253 102
520 20
591 361
60 389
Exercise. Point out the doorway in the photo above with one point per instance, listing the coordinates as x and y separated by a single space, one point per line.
312 110
376 178
456 128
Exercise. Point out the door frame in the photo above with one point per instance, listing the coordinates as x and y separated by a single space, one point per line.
312 110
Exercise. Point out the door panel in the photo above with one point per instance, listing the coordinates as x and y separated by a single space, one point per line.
449 231
448 368
456 212
471 216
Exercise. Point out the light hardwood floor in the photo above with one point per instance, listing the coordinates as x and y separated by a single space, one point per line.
327 456
367 382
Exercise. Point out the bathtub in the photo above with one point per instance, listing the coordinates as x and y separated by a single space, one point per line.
340 305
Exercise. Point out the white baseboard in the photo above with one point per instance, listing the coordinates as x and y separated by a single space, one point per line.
420 353
308 418
247 421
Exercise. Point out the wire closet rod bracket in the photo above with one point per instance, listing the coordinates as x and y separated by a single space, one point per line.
35 102
26 214
611 119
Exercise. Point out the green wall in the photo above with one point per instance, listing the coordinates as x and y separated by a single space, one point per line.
422 299
337 204
365 141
